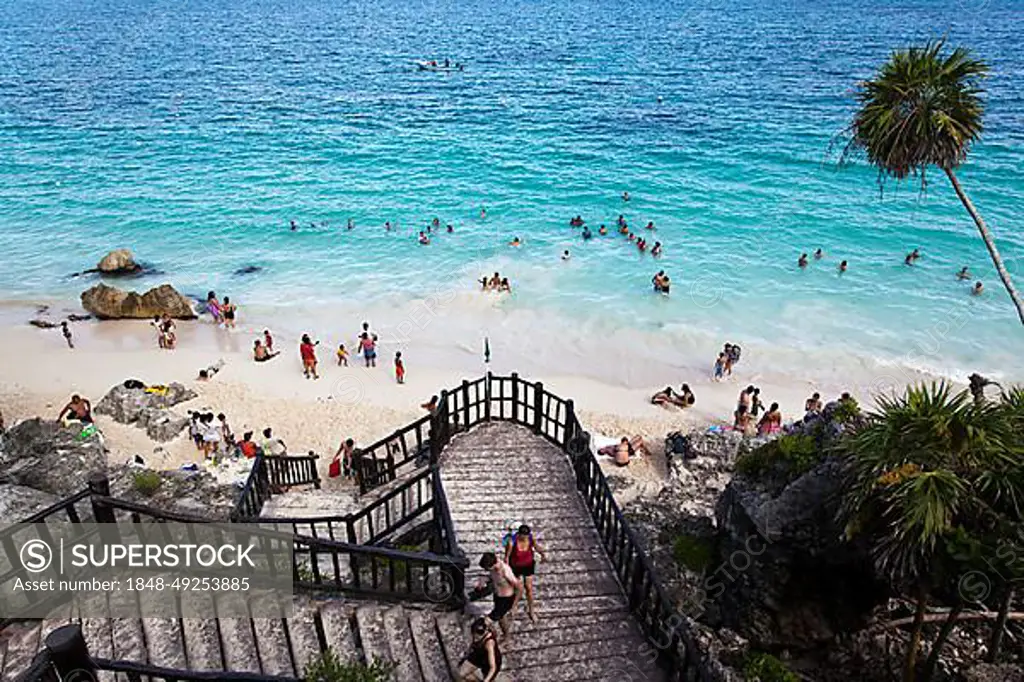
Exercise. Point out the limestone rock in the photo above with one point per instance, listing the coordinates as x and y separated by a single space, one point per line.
19 502
118 262
49 457
188 492
147 410
989 672
110 303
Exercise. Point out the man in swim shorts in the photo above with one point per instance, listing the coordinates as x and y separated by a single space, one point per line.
506 588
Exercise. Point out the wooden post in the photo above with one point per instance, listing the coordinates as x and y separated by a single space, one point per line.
465 404
487 397
515 397
99 486
70 654
434 434
570 420
538 407
360 467
353 561
316 472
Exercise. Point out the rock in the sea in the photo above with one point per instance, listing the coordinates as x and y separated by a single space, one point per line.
248 270
49 457
147 409
42 324
119 262
110 303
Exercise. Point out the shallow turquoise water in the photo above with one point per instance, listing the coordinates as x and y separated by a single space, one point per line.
194 131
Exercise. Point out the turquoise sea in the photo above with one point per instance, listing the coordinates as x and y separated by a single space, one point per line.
194 131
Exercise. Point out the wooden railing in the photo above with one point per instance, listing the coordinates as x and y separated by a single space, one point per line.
393 455
271 473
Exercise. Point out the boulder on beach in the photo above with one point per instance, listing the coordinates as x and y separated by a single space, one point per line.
44 455
118 262
111 303
147 409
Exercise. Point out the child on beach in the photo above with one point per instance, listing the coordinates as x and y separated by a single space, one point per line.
307 351
268 340
342 356
228 310
720 367
399 368
67 334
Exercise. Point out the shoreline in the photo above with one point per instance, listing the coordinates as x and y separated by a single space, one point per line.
358 402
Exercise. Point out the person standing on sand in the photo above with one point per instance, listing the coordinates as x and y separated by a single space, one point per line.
507 588
342 355
368 346
727 351
399 368
755 403
268 340
719 370
228 310
307 351
67 334
213 307
771 422
519 554
813 404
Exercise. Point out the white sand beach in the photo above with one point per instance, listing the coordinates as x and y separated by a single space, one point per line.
40 373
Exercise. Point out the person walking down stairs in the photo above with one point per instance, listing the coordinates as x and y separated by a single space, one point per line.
519 554
507 588
484 655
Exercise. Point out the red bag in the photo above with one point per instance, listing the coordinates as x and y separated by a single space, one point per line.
334 470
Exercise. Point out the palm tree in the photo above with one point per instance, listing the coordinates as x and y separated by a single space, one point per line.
924 109
923 468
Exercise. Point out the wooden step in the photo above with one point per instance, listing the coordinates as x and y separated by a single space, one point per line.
164 643
272 646
453 634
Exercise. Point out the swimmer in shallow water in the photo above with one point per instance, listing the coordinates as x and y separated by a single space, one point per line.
587 234
963 274
603 230
802 261
977 288
424 239
842 267
506 287
565 255
515 242
818 253
494 282
625 196
912 257
650 225
656 250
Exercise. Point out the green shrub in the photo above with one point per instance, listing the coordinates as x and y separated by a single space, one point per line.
794 454
761 667
692 552
846 411
304 572
327 667
146 482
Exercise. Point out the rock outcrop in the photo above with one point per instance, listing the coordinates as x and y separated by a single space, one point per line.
189 492
119 262
147 409
19 502
110 303
44 455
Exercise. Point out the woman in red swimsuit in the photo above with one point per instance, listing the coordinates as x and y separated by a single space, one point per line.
519 555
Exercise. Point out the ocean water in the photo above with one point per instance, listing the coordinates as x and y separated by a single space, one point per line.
194 131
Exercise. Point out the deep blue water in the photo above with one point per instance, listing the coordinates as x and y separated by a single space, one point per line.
194 131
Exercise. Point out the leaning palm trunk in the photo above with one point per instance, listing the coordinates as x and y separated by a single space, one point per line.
999 627
940 641
910 662
990 244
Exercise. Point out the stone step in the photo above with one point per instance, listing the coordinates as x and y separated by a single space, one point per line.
527 638
591 658
239 645
200 636
97 633
22 644
304 641
129 640
164 643
399 638
539 515
374 640
429 651
498 527
453 630
272 646
337 631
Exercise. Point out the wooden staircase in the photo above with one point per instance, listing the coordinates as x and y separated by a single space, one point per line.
500 475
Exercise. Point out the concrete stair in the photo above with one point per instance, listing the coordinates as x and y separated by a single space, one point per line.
410 637
498 476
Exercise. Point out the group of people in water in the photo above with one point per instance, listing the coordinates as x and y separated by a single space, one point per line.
910 259
495 283
623 229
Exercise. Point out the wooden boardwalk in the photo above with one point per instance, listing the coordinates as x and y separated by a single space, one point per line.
500 475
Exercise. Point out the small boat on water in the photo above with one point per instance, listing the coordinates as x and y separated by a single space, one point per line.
434 65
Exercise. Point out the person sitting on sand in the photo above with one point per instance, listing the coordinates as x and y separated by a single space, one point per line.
624 450
977 289
209 372
813 404
79 410
802 261
685 397
771 422
505 286
260 353
663 397
515 242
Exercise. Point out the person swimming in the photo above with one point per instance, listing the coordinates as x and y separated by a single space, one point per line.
424 239
802 261
977 288
625 196
818 253
632 237
642 245
603 230
295 227
964 273
912 257
622 220
656 250
515 242
495 282
450 229
565 255
650 225
351 224
387 225
661 282
505 285
587 234
842 267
